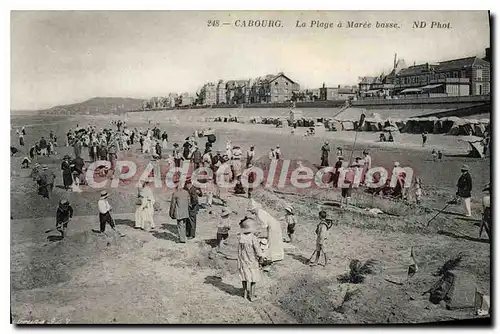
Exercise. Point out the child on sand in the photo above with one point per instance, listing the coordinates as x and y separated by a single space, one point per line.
291 220
322 229
223 227
418 190
434 155
249 256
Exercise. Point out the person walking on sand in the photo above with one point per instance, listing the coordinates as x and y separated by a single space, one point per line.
464 186
177 155
249 256
291 221
66 172
148 206
418 190
424 138
43 146
277 152
250 155
193 208
325 152
63 215
21 139
322 229
45 182
179 210
104 212
223 228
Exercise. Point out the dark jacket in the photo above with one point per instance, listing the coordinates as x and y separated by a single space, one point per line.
179 205
197 156
464 185
194 193
64 213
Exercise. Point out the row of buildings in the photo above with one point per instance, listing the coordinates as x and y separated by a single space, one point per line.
456 77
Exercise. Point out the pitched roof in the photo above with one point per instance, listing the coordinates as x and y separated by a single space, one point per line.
456 64
279 75
416 69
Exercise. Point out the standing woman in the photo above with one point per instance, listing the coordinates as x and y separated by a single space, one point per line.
66 169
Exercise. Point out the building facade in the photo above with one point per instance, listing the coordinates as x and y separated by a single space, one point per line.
456 77
221 92
210 94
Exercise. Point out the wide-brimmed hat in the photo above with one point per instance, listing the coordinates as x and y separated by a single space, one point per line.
225 212
66 157
289 208
104 194
45 167
248 225
365 152
277 146
464 168
487 187
63 201
175 144
396 164
326 142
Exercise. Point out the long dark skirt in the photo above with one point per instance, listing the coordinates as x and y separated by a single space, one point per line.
67 179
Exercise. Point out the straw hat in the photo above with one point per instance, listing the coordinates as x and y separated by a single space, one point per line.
487 187
63 202
464 168
104 194
396 164
225 212
289 208
45 167
247 225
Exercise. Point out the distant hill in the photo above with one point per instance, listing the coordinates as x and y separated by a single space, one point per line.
97 105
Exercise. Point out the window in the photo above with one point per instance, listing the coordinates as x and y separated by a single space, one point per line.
276 91
479 74
276 82
455 74
462 74
286 83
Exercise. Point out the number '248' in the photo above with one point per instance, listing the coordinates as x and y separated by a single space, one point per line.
213 23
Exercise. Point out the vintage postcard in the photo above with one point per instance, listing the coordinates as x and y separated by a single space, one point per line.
250 167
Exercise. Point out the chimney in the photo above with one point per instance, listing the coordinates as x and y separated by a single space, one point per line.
338 86
395 60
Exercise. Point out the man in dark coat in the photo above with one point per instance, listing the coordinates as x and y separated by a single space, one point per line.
197 158
325 151
464 186
179 210
194 207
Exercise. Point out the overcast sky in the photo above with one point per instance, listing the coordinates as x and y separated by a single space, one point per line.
67 57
